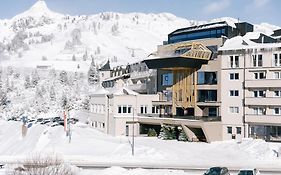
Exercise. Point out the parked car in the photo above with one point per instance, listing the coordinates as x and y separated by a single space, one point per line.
248 172
217 171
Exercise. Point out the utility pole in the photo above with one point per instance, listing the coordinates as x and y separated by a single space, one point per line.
69 131
133 136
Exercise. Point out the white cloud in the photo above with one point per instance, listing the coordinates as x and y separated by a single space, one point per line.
217 6
260 3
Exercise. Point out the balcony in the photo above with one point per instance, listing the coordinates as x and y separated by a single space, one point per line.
199 118
263 83
263 119
260 101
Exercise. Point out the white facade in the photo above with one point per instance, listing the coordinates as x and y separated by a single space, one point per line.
251 82
114 112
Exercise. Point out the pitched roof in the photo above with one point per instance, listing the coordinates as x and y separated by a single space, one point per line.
106 66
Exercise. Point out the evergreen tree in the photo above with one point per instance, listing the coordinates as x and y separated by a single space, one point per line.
86 104
73 58
85 56
35 78
52 94
93 73
27 82
3 98
64 102
63 78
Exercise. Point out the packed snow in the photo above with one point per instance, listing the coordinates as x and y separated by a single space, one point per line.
89 145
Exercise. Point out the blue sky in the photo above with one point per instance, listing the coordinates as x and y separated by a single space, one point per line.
254 11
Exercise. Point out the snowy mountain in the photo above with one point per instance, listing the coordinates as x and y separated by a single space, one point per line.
41 37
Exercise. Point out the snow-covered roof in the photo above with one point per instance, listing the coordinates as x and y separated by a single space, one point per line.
201 27
246 42
106 66
115 91
125 91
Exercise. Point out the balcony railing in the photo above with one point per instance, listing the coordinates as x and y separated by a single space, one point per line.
263 119
267 83
199 118
261 101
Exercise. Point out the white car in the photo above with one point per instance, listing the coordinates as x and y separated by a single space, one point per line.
249 171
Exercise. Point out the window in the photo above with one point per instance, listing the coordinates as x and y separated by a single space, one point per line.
259 93
277 75
277 111
207 78
213 112
124 109
277 93
129 109
214 50
119 109
259 75
143 109
154 109
238 130
207 95
234 61
234 110
234 93
257 60
259 111
229 130
167 79
234 76
277 59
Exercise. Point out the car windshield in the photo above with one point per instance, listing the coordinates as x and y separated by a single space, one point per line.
245 172
214 171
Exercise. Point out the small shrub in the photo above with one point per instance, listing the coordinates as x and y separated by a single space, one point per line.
151 133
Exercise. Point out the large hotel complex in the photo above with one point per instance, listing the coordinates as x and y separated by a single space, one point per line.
217 81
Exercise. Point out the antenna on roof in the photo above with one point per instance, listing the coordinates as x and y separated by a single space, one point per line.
238 30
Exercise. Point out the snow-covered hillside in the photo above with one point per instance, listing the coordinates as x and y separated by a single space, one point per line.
41 37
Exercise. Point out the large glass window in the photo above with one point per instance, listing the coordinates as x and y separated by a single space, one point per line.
214 33
213 111
207 95
167 79
207 78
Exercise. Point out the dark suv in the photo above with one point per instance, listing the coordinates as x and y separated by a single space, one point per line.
217 171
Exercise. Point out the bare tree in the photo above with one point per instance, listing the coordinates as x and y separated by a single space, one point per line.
39 164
